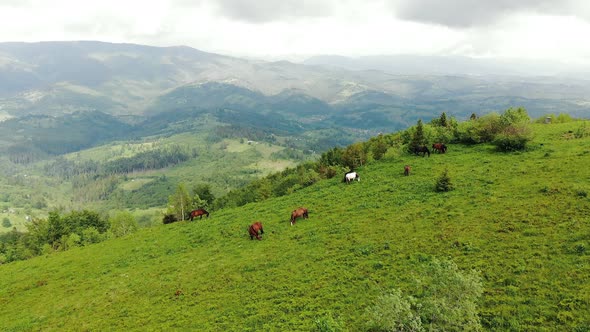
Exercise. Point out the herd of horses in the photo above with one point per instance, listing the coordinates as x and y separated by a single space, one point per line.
423 149
256 230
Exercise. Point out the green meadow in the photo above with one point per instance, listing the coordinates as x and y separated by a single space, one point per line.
521 220
224 165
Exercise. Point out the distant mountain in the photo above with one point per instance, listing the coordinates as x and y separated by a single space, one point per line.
379 93
451 65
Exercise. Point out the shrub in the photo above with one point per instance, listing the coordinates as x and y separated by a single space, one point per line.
123 223
394 312
444 184
512 139
481 130
447 302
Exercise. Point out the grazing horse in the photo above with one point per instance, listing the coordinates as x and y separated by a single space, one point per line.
351 176
421 149
254 229
298 213
198 213
439 147
407 170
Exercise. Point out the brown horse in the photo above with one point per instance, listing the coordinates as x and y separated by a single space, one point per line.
407 170
300 212
439 147
198 213
254 229
421 149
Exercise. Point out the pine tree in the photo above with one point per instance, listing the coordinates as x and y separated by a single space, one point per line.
443 183
443 120
418 138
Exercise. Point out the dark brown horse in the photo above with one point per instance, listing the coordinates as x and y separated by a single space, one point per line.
198 213
254 229
300 212
407 170
439 147
421 149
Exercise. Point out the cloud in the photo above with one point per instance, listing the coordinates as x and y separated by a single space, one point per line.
263 11
15 3
472 13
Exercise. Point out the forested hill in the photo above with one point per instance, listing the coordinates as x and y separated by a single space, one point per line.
474 238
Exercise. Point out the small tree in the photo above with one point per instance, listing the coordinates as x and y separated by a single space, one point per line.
202 196
447 301
449 297
443 184
354 156
441 121
123 223
418 138
514 134
394 312
179 203
379 147
6 222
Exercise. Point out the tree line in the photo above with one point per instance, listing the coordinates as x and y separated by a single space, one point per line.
143 161
63 231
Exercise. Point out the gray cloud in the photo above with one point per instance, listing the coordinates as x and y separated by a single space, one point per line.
470 13
262 11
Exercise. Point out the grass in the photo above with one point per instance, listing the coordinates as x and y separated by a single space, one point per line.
519 218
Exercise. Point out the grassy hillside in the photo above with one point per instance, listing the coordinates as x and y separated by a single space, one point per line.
520 219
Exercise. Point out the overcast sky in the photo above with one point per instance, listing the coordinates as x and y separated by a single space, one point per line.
272 29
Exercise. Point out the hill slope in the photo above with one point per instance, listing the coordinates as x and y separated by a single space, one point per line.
520 219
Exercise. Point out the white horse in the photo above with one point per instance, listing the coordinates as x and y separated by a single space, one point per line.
351 176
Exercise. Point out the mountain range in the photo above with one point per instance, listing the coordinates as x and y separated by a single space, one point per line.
134 83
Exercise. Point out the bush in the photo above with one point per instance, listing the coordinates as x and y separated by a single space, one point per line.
393 312
512 139
446 302
123 223
481 130
443 184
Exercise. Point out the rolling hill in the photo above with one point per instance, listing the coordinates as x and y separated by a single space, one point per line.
148 90
520 220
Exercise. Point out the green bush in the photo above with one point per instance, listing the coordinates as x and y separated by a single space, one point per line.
394 312
447 302
444 184
512 139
